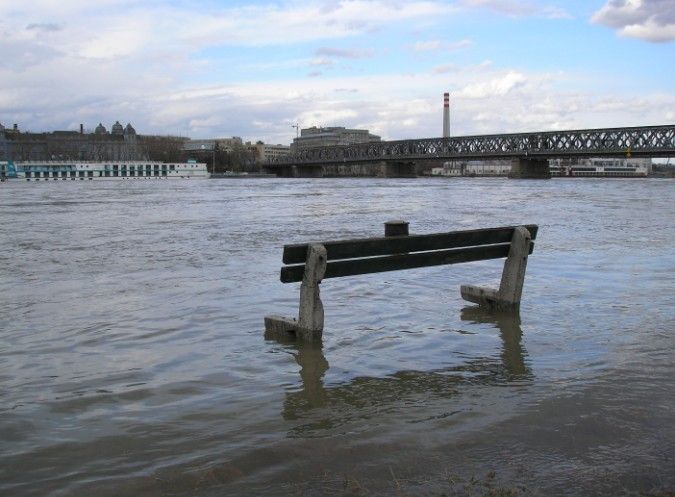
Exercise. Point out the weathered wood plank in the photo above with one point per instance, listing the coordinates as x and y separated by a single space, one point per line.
369 247
290 274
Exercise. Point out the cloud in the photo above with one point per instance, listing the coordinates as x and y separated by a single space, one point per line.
447 68
324 55
293 22
45 27
344 53
518 8
422 46
320 61
497 86
649 20
483 100
438 45
134 28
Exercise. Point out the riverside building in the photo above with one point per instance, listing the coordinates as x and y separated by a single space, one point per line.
121 143
265 152
325 137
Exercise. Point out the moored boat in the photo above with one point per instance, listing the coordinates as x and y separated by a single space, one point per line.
105 170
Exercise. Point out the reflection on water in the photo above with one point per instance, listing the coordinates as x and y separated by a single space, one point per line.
362 397
508 324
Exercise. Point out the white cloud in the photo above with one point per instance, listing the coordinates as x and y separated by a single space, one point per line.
500 85
650 20
344 53
320 61
324 56
518 8
483 100
422 46
132 28
438 45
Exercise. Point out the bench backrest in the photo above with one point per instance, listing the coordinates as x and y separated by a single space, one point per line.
374 255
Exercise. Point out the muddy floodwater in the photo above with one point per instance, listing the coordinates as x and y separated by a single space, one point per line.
133 359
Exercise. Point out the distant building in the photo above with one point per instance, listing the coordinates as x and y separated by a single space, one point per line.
209 144
324 137
578 167
121 144
474 168
265 152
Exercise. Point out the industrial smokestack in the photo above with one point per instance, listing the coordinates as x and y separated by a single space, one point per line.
81 128
446 115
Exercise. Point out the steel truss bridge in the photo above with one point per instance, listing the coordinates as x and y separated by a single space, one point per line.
644 141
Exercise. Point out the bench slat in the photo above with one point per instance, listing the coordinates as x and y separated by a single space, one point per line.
368 247
290 274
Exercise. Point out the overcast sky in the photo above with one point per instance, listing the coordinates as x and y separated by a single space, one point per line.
214 68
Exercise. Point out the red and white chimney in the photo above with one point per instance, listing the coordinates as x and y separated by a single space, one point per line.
446 115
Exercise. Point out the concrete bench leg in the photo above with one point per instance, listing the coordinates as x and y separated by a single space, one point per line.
309 325
507 298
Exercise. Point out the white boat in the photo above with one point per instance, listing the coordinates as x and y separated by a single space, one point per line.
106 170
602 168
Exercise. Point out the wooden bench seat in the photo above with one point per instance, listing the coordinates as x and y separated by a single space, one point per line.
310 263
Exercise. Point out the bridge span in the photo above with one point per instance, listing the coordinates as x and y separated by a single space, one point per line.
529 152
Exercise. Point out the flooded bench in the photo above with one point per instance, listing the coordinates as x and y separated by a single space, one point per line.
310 263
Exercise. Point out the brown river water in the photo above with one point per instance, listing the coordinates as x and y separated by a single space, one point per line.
133 359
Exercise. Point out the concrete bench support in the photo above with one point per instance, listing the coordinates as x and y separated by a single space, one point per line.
507 298
309 325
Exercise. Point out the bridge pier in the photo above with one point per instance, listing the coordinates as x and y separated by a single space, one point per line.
308 171
397 169
525 168
285 171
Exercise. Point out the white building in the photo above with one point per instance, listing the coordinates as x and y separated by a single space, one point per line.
473 168
266 152
325 137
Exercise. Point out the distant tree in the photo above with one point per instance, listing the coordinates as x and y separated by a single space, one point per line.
243 159
162 148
